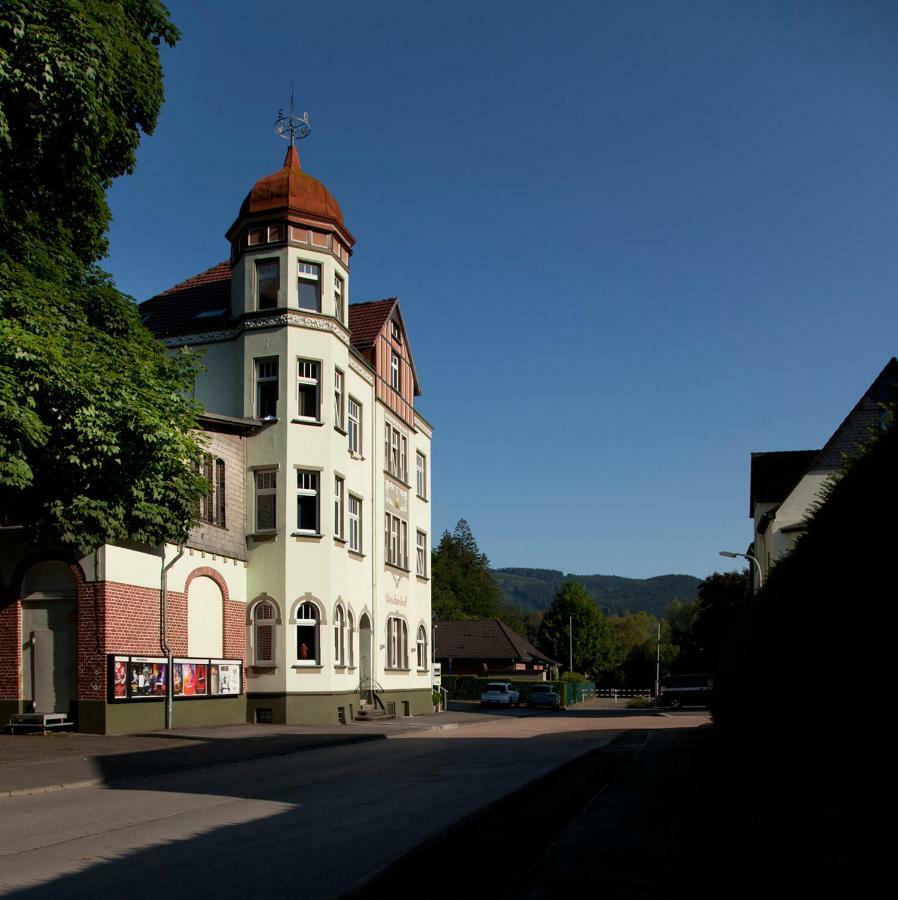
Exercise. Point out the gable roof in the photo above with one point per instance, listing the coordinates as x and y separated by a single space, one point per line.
483 639
864 416
192 305
367 319
773 475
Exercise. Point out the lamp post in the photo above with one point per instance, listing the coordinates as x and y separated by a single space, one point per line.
750 557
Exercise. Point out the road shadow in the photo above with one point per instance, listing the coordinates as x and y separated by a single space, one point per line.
324 837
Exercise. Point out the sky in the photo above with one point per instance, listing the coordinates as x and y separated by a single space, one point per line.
632 242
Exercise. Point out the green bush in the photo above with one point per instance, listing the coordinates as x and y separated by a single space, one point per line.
640 703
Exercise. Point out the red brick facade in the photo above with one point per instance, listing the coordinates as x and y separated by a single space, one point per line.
10 649
117 618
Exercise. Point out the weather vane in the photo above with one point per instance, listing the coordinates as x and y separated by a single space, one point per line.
292 127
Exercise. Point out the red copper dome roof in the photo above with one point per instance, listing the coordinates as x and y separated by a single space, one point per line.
291 189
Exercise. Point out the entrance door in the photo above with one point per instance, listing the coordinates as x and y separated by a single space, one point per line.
365 685
49 634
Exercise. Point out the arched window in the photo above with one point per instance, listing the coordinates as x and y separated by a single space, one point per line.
351 640
264 616
339 637
307 644
422 647
397 643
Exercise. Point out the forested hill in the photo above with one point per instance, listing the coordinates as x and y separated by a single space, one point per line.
533 589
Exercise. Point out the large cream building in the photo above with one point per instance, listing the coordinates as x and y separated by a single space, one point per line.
309 571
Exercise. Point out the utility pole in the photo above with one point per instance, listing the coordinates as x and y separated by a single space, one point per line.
658 665
571 644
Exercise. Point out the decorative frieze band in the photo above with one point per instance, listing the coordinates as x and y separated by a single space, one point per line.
293 319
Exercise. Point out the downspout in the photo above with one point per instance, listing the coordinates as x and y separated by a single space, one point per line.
163 624
374 626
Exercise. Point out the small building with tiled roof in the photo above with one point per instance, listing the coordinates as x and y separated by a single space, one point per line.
786 485
488 648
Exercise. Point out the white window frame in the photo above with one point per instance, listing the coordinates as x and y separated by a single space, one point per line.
308 374
339 501
339 290
421 648
421 474
260 265
396 541
354 426
308 484
350 629
355 523
395 372
421 553
310 277
269 621
302 620
266 490
339 393
397 643
339 636
272 377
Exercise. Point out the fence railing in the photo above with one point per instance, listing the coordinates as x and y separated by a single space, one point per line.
470 687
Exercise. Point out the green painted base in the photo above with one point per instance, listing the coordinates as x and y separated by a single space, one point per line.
99 717
325 709
9 708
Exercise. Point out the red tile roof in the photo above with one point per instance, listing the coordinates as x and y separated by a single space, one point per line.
291 189
367 319
193 305
205 300
475 639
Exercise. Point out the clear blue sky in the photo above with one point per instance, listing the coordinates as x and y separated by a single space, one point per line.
686 219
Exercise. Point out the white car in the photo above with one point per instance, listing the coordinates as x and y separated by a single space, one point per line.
500 693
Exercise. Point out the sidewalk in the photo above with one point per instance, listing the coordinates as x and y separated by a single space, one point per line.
34 763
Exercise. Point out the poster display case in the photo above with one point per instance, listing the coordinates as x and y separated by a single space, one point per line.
145 678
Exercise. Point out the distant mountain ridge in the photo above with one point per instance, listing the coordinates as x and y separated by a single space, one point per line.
533 589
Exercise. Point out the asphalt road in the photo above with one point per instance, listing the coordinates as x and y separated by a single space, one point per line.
319 823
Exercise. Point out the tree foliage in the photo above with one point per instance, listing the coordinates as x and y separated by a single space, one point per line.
95 430
594 645
462 586
637 648
811 798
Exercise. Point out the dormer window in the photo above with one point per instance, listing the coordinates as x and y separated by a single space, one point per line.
309 285
268 277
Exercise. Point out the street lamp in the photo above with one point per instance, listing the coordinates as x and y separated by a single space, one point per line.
748 556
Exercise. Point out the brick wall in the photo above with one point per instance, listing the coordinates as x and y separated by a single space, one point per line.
116 618
10 649
231 540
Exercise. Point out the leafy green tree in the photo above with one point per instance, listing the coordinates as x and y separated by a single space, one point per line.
95 427
595 647
637 639
463 587
721 599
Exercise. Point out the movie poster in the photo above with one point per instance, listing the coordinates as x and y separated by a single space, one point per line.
199 679
120 678
228 679
147 679
213 680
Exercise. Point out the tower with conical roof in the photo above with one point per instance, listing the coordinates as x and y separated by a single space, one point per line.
337 475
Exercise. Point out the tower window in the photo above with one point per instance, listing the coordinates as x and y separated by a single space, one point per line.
267 388
268 279
338 297
309 284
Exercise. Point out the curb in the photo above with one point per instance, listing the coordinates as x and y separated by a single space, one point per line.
168 770
52 788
